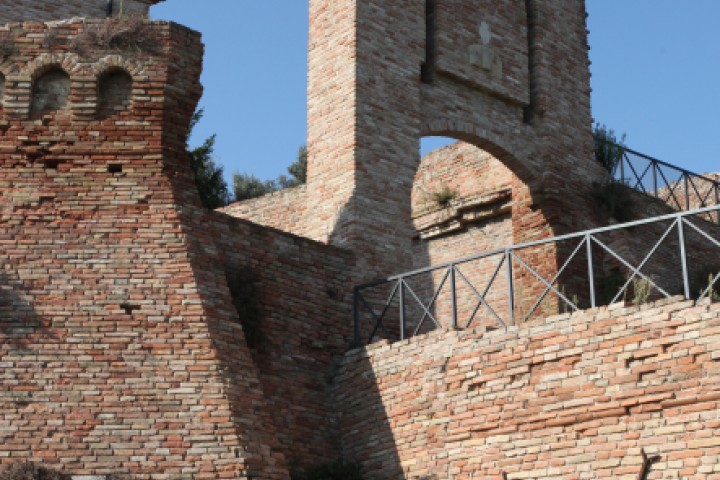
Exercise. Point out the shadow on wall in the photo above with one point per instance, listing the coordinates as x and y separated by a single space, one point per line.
20 325
370 440
459 203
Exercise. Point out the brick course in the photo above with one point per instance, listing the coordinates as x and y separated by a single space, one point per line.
575 397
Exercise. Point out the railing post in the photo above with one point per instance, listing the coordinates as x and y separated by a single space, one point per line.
591 271
687 191
623 159
453 294
656 194
683 256
511 288
356 316
717 202
402 308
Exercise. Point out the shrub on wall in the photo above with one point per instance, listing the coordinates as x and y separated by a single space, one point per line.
127 33
609 150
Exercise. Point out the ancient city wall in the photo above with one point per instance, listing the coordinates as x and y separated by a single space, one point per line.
47 10
579 396
299 293
284 210
121 351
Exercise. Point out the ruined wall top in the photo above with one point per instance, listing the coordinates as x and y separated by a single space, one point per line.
48 10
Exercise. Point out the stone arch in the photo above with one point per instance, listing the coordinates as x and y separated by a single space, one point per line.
114 93
50 91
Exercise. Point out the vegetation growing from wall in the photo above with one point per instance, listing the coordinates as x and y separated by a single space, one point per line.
613 200
444 197
125 33
609 150
703 280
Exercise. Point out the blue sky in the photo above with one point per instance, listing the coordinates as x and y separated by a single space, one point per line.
655 76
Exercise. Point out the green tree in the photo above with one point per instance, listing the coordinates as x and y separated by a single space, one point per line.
208 176
298 170
609 150
247 186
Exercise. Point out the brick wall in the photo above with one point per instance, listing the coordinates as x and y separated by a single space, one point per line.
284 210
579 396
120 349
303 291
47 10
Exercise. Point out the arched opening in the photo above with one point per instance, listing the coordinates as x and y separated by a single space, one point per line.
114 93
50 92
468 204
462 206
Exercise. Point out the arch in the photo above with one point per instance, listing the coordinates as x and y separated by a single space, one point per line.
114 92
50 92
484 139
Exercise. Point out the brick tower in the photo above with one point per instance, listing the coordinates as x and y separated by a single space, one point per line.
510 77
119 348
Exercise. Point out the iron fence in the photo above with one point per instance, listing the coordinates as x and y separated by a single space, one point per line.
679 188
464 293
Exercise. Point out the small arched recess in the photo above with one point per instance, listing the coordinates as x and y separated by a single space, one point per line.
114 92
2 91
50 92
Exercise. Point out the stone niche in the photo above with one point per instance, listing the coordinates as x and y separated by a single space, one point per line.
484 44
114 93
50 93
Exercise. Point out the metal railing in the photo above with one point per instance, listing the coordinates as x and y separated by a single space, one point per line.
414 307
679 188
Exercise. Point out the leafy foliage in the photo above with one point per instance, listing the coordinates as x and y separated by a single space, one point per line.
444 197
337 470
208 177
609 150
298 169
247 186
